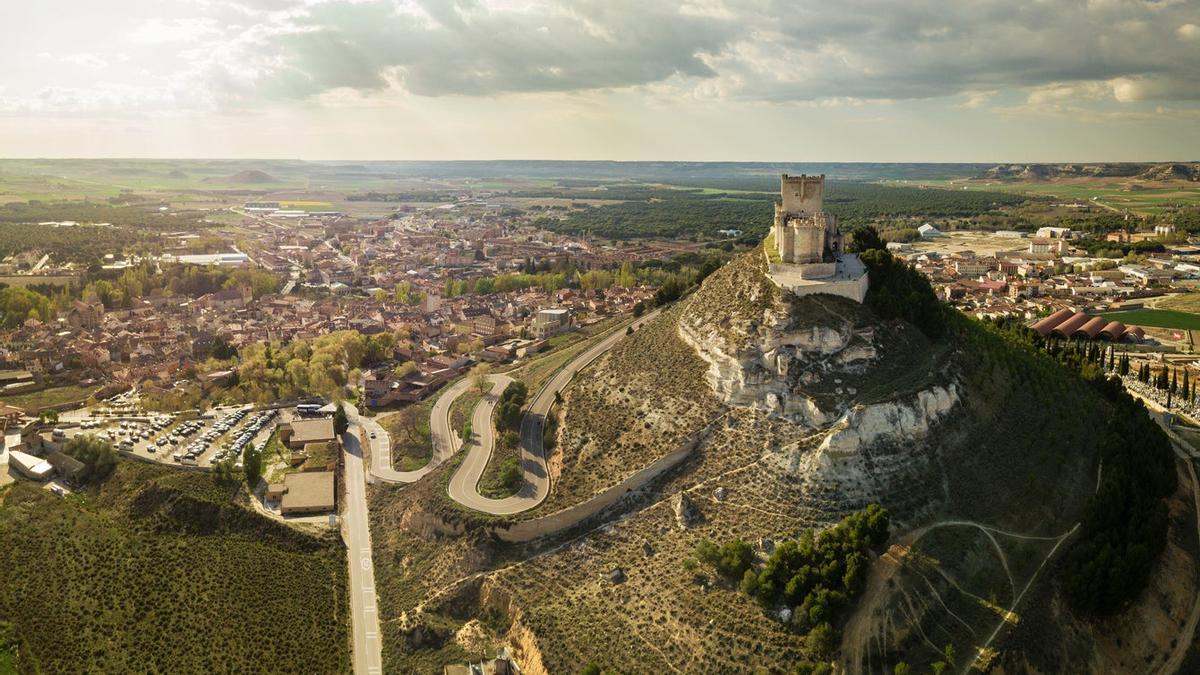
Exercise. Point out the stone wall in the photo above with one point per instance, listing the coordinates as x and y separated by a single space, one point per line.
528 530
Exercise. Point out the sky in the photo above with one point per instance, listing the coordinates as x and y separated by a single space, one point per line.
745 80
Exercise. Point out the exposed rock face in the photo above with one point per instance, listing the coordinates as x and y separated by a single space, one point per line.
870 448
685 513
862 426
767 351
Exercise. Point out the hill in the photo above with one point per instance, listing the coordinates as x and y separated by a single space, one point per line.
246 177
159 571
1128 170
797 415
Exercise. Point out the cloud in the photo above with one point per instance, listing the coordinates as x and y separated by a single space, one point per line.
241 54
165 31
84 60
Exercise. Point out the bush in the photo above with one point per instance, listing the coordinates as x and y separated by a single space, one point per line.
510 474
731 560
98 457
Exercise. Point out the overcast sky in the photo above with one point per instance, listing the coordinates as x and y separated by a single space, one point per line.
777 80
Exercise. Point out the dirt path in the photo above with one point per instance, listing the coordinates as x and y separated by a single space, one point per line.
859 630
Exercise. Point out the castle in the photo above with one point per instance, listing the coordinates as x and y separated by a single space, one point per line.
805 252
804 233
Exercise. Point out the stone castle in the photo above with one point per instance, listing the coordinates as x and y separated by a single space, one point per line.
809 255
804 233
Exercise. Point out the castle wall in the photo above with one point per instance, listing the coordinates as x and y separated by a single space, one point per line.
810 243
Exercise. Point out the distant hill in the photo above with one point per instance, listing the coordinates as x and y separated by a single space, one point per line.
1141 171
1189 172
177 175
247 177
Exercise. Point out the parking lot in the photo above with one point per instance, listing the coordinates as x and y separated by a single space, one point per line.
178 438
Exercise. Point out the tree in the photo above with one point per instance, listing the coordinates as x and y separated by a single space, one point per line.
221 349
341 422
97 455
479 376
865 238
252 465
48 417
949 653
510 474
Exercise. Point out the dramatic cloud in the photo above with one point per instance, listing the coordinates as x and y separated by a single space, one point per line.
607 60
774 50
246 52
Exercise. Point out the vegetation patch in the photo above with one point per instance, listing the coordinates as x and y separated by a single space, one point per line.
160 571
408 429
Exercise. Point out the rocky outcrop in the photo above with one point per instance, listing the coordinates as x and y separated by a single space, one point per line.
870 448
863 426
686 514
783 356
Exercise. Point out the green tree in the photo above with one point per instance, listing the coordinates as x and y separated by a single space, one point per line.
252 465
341 422
97 455
866 238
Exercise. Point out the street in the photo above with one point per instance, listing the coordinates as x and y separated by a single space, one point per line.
368 652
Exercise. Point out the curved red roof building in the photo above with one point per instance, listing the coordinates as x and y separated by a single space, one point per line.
1044 326
1091 328
1067 328
1113 331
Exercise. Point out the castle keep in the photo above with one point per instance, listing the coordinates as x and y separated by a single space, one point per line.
804 233
806 251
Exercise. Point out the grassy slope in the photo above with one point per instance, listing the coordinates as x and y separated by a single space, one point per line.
160 571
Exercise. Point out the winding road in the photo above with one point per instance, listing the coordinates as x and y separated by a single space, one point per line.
464 485
368 655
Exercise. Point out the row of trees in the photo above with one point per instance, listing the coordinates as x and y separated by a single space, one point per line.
174 280
323 366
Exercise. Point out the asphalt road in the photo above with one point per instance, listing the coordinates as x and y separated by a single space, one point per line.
464 484
356 532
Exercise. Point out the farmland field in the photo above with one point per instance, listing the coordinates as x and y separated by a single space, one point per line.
1148 198
1158 318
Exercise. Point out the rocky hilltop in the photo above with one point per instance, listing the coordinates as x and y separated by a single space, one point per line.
799 412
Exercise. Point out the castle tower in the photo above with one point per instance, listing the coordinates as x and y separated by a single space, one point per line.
803 194
804 233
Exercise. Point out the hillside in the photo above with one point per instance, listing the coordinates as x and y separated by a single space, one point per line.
1129 170
799 412
246 177
159 571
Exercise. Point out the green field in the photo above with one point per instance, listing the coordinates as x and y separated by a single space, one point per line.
1158 318
36 400
161 571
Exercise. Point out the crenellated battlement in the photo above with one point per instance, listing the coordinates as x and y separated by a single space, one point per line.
802 194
